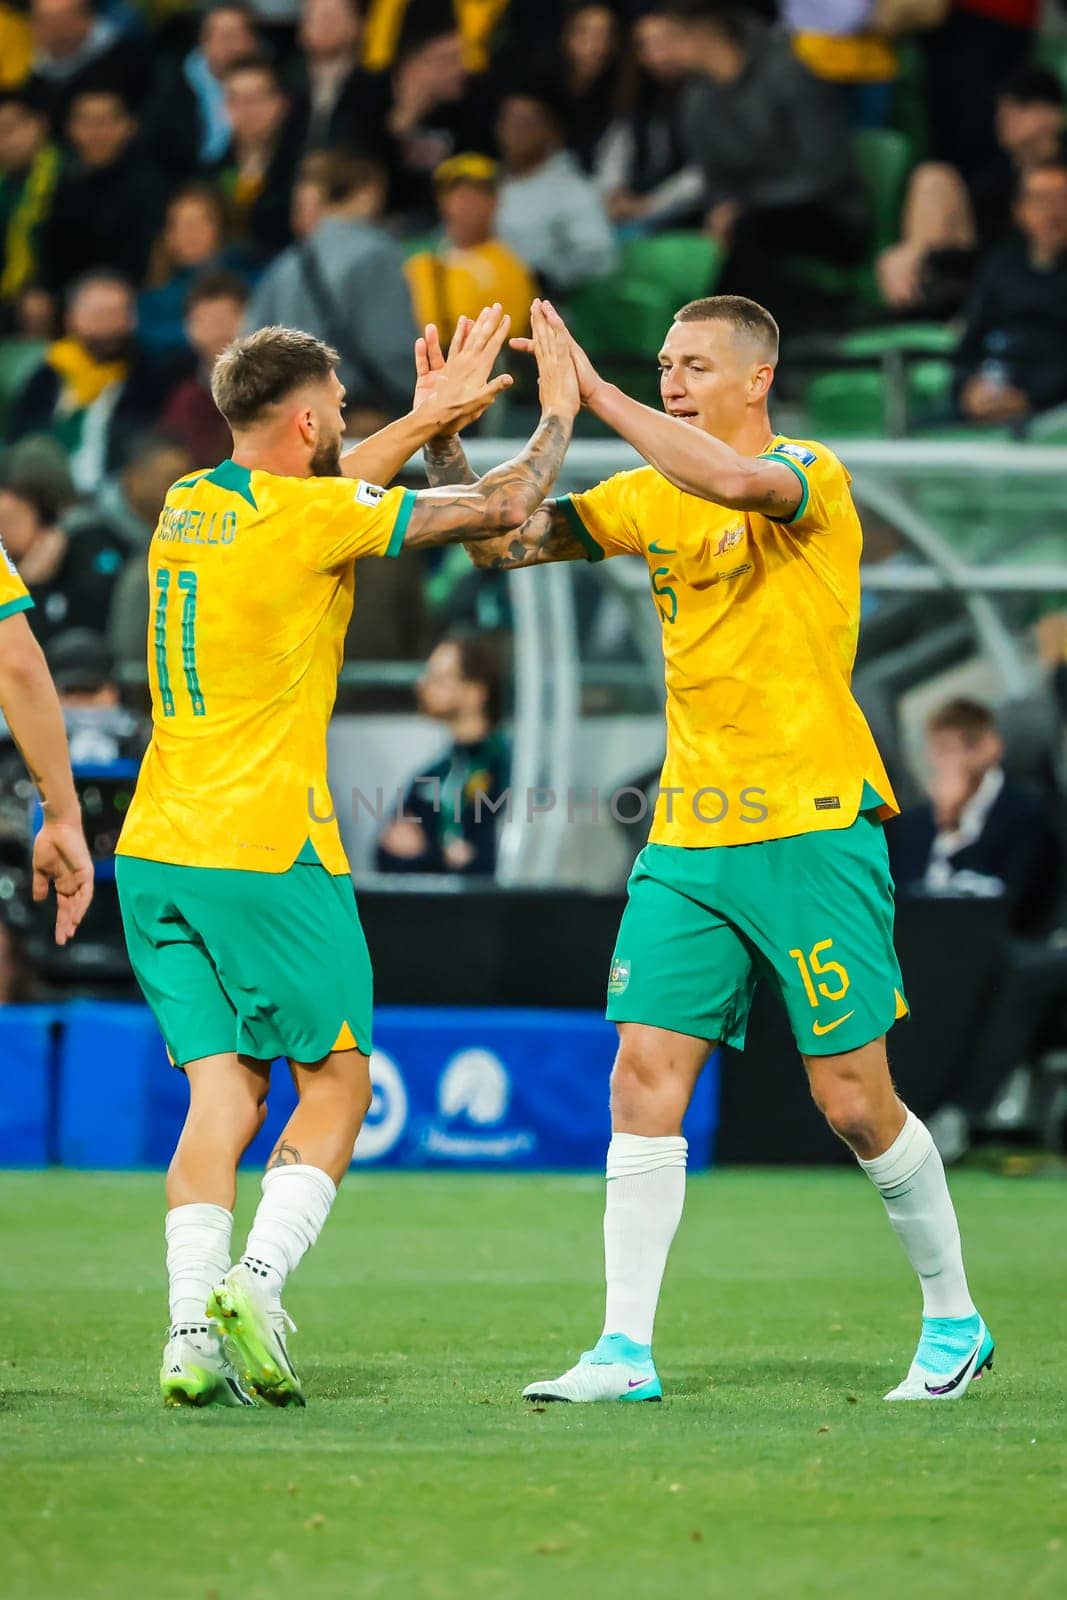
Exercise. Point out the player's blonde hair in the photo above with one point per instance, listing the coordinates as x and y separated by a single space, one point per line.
257 371
744 316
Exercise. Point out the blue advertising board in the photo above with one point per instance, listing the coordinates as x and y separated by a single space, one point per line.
453 1088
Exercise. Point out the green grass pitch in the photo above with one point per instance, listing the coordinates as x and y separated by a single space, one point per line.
772 1469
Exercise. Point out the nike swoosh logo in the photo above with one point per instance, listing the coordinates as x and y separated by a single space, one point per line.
954 1383
657 550
819 1028
637 1383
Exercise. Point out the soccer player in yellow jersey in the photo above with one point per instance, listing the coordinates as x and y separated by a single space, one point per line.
236 895
34 717
766 855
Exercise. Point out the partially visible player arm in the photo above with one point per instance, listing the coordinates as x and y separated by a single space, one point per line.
694 462
31 706
505 498
459 394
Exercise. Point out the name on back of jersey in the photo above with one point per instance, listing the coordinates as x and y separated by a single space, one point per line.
187 525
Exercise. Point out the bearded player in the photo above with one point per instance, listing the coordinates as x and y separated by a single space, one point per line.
236 894
767 857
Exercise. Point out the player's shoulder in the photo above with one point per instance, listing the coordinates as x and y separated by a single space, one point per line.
811 454
634 486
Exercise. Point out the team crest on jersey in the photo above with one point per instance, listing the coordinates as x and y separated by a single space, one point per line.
799 452
731 537
11 567
368 494
619 976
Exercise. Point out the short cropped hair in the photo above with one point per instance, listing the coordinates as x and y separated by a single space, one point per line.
969 718
340 173
219 285
261 368
744 316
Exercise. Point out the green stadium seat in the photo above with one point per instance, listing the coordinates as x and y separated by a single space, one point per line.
1051 51
847 405
884 159
18 358
626 313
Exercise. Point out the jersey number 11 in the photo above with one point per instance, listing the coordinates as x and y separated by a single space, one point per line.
187 584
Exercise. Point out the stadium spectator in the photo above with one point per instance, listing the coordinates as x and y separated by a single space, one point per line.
848 46
977 833
345 284
257 171
29 172
100 730
214 308
775 154
471 268
445 823
641 169
70 577
94 386
589 72
550 213
77 46
436 110
193 242
968 58
311 193
981 834
18 981
340 104
109 201
188 125
1012 359
945 220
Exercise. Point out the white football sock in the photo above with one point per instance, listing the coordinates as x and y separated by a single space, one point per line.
198 1255
296 1202
645 1195
910 1177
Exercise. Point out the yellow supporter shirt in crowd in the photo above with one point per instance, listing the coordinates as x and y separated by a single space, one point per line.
760 623
251 585
14 595
457 283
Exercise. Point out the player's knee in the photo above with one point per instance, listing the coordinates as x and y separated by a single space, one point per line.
645 1073
849 1111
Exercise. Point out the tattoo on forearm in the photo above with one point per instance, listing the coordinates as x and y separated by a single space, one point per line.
285 1155
446 462
503 498
546 536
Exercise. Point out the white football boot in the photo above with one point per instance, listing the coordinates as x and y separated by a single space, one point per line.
617 1369
953 1353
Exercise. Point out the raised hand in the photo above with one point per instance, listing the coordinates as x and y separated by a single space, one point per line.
460 388
588 377
557 378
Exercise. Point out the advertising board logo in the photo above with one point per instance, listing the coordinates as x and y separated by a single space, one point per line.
388 1114
473 1099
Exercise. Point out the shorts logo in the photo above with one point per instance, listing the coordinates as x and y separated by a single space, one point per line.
619 976
368 494
799 452
819 1028
827 802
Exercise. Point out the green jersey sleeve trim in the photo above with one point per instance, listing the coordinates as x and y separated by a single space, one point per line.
400 526
22 602
593 552
805 495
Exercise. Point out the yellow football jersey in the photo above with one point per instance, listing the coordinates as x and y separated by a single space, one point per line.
760 623
251 586
14 595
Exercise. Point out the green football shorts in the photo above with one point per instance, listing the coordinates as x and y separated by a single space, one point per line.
813 914
267 964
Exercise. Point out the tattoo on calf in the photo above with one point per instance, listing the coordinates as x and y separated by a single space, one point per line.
285 1155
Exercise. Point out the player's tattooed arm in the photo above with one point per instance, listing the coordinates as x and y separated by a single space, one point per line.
503 500
446 462
546 536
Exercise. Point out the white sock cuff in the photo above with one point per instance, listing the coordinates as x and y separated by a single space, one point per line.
199 1214
909 1151
314 1175
630 1154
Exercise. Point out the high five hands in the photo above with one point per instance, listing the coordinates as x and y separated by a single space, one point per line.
544 311
459 387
